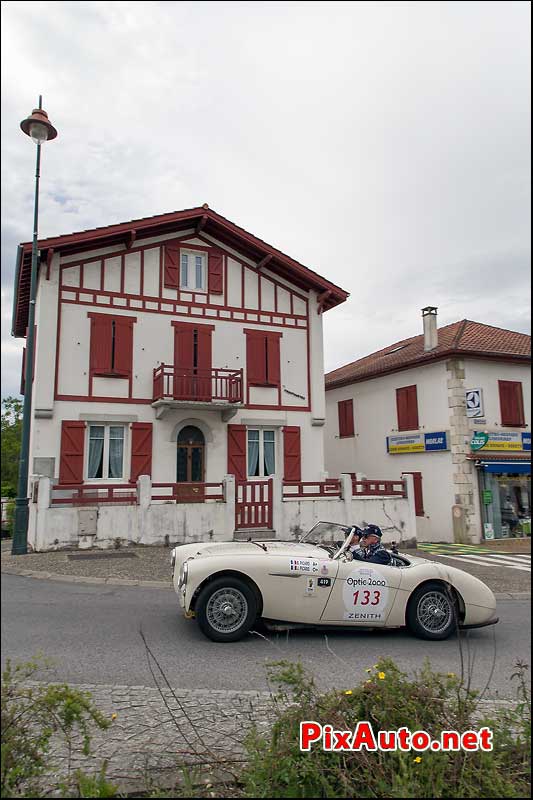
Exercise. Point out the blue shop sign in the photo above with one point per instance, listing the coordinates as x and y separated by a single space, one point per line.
436 441
526 441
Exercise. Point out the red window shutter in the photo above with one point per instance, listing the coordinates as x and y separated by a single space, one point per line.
141 449
292 455
171 269
72 446
256 358
215 272
123 347
101 345
511 402
273 365
407 407
346 421
237 451
419 499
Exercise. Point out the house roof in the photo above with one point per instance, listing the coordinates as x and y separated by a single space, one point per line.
203 219
464 338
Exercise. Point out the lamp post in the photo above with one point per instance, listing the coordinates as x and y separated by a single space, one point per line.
40 130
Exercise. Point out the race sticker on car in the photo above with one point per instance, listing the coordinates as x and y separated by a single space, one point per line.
324 581
365 595
304 565
310 585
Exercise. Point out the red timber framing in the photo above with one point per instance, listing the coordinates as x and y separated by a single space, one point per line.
195 306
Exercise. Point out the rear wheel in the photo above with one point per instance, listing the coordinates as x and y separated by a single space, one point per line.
432 612
226 609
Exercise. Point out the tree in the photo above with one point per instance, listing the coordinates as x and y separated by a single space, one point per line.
11 435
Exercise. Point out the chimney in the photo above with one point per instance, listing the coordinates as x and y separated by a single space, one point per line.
431 336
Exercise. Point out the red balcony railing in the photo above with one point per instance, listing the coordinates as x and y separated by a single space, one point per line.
207 385
369 487
188 492
92 495
329 488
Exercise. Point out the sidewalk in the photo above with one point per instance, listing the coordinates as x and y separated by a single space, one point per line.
139 565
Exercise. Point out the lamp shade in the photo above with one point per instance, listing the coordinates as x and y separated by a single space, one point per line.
38 126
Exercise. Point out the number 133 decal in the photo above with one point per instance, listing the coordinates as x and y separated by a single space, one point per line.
363 597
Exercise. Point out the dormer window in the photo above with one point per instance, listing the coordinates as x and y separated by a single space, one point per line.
193 270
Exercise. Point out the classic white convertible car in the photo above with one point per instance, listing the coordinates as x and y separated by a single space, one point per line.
228 586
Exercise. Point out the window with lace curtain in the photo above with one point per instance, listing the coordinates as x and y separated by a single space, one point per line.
105 458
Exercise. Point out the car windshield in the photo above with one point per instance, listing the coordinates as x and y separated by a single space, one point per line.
329 535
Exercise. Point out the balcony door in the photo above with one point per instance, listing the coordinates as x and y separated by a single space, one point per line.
190 464
192 362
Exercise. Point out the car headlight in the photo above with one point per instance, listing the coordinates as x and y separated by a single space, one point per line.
184 572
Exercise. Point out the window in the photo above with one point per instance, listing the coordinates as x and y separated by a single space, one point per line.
346 423
511 403
262 357
193 271
111 349
106 452
261 453
407 408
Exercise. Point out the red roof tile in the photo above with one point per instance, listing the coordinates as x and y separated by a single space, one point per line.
460 338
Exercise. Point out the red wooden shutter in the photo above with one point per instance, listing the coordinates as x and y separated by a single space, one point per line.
273 366
292 456
172 266
215 272
123 346
72 446
511 402
255 358
407 407
237 451
204 388
101 345
346 421
141 449
419 499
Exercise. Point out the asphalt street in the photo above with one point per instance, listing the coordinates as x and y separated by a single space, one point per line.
92 635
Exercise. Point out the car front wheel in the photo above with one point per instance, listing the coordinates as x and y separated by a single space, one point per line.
432 612
226 609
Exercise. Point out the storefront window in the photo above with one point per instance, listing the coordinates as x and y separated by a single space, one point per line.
506 499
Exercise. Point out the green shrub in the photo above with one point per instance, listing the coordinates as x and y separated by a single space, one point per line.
31 714
388 699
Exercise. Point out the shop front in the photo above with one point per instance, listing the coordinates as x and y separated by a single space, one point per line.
504 479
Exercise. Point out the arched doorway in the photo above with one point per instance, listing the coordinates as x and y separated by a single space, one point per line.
191 455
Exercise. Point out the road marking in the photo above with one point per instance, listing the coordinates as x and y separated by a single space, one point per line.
486 562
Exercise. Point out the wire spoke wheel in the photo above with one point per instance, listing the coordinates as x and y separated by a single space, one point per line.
226 610
434 612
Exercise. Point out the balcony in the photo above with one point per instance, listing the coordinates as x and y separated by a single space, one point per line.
213 389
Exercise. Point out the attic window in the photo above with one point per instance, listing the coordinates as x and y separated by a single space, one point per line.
395 349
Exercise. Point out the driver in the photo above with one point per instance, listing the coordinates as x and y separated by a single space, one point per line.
371 549
354 542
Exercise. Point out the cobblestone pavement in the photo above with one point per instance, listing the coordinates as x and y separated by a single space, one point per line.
155 731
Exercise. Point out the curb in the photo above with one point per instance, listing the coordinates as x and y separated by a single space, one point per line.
56 576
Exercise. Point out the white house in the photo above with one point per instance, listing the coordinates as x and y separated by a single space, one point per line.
451 407
178 361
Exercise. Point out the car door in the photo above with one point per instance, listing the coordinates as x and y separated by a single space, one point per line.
363 593
297 589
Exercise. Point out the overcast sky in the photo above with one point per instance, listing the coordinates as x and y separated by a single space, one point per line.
386 145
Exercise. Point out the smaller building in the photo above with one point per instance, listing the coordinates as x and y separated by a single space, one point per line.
451 407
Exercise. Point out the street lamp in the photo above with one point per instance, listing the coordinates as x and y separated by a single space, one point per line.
40 130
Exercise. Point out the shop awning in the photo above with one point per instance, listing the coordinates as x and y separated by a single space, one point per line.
521 467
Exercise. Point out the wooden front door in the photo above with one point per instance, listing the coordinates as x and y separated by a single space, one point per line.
190 464
192 362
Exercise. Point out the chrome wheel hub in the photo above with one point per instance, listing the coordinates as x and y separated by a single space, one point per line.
227 610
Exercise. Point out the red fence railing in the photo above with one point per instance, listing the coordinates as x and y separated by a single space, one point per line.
87 495
193 492
207 385
376 487
329 488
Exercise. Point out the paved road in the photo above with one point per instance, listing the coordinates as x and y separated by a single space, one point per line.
92 633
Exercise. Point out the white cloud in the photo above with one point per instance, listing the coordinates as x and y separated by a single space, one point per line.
386 145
